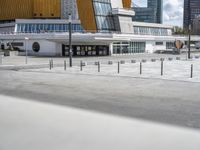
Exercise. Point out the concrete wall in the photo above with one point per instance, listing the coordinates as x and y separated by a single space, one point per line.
150 46
116 4
126 25
47 48
160 47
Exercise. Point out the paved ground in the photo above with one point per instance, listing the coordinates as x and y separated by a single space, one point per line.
177 70
168 102
30 125
164 102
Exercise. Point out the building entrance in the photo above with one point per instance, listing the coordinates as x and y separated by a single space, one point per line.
86 50
2 47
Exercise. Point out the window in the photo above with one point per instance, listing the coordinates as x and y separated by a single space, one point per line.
129 47
170 45
37 28
159 43
104 18
17 44
150 31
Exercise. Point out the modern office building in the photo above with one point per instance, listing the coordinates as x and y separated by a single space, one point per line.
196 26
153 13
99 28
192 6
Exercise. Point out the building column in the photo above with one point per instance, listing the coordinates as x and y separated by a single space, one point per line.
111 49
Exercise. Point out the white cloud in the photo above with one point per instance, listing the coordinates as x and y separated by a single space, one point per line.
173 12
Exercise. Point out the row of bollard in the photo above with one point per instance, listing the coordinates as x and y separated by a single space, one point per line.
161 73
141 70
118 67
51 66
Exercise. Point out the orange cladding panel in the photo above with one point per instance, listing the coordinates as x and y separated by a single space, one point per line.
27 9
126 3
47 8
12 9
86 15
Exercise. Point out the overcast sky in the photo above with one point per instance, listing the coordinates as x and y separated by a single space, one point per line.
173 11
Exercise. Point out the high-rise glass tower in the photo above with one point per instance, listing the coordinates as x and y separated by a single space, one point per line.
191 11
153 13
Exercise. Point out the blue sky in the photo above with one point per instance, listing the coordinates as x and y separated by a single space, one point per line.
173 11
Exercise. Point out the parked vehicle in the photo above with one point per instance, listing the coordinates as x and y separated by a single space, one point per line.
197 45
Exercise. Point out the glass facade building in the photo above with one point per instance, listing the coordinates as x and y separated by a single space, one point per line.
153 13
194 9
103 15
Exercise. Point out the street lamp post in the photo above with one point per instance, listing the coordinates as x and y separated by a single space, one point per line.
70 41
26 39
189 48
189 29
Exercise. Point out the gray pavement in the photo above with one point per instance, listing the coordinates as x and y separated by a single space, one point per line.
73 110
167 102
32 125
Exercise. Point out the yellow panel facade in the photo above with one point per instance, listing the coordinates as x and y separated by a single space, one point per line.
12 9
86 15
127 3
47 8
28 9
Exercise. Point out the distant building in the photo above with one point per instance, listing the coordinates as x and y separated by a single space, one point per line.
153 13
194 9
196 26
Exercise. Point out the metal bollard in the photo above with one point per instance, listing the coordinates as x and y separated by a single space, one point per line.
1 59
162 68
52 64
191 74
49 64
65 65
99 67
118 67
81 66
140 67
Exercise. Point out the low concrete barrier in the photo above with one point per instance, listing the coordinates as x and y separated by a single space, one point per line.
170 59
110 62
133 61
144 60
122 62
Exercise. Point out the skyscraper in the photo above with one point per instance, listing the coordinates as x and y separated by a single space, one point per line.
153 13
194 7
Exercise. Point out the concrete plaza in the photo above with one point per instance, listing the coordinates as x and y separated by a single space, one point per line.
57 109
